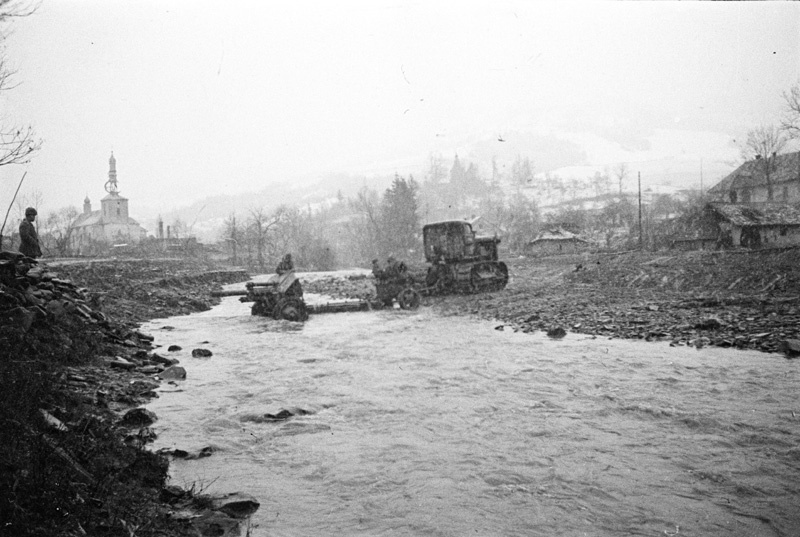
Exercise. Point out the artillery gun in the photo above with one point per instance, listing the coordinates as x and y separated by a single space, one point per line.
461 262
281 297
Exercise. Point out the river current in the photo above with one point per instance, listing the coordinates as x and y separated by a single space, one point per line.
420 424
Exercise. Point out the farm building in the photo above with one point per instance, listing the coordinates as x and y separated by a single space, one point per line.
557 241
771 178
773 224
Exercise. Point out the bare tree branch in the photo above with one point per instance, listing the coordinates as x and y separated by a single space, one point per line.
621 172
14 8
17 145
764 143
791 120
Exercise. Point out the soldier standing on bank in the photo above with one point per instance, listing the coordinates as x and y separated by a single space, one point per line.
29 239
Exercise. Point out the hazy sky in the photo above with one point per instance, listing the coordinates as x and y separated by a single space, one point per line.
206 97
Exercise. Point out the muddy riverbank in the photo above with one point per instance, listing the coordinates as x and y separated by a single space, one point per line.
74 371
740 299
745 300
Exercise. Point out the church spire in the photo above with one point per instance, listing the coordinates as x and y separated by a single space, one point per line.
111 184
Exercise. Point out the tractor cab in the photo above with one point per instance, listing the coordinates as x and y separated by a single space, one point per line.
455 240
460 261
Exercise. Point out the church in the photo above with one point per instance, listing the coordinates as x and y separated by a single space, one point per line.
95 231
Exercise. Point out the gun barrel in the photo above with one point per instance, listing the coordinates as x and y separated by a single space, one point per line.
229 293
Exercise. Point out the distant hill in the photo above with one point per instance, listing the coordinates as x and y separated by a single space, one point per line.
666 160
206 216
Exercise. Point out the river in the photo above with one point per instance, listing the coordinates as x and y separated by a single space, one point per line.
421 424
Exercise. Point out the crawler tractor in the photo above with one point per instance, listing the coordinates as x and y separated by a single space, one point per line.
460 261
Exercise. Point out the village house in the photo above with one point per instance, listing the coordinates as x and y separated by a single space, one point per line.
557 241
757 205
94 231
767 225
772 178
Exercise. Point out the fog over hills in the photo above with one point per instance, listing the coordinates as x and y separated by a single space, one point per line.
666 159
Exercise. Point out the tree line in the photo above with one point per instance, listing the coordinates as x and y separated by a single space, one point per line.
343 232
351 231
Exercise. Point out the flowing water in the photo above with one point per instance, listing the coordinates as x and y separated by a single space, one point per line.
420 424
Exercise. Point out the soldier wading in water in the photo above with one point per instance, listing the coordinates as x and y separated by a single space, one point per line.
391 280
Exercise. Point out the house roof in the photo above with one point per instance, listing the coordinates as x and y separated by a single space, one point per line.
557 234
751 174
96 218
773 214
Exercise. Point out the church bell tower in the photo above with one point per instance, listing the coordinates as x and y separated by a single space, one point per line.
115 207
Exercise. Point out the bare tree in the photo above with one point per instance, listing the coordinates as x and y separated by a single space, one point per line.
17 144
57 231
600 182
791 120
178 228
621 172
437 172
260 225
764 143
364 229
522 172
523 222
232 234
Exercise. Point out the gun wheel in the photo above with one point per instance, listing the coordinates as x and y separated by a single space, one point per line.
408 299
291 309
258 309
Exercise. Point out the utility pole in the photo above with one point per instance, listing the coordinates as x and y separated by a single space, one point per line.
640 210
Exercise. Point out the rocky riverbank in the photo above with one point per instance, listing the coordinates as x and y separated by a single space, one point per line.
741 299
744 299
73 374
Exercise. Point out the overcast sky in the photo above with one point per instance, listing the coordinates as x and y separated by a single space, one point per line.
204 97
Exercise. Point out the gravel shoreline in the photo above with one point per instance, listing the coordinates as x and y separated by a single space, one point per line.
683 298
739 299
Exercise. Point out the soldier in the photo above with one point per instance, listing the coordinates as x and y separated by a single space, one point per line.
285 265
29 239
377 271
395 269
438 273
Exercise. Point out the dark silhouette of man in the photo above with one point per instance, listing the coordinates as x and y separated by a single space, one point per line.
29 239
